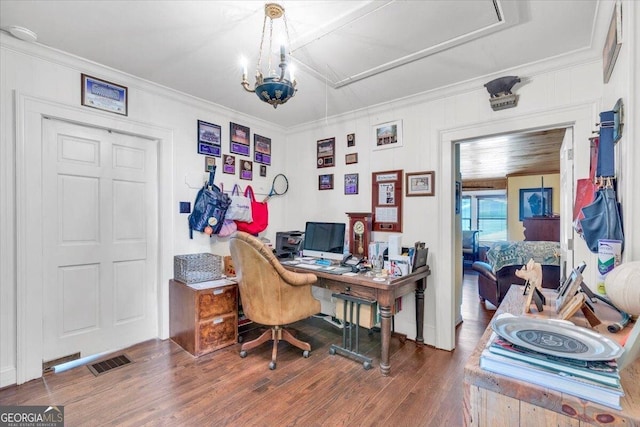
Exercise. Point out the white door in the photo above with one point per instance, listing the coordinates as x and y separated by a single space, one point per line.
566 201
100 240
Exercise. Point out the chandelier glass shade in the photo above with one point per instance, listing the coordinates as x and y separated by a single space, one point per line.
279 85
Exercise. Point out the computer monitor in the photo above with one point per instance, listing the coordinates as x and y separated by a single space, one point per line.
324 240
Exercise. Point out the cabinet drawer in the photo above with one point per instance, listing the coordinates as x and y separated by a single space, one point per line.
221 331
216 302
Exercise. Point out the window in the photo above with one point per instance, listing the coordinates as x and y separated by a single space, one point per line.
485 211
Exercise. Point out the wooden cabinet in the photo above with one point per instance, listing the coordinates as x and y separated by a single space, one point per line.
542 228
203 320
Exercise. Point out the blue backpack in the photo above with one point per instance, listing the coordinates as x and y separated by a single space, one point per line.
209 208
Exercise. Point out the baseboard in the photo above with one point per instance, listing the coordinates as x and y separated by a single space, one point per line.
8 377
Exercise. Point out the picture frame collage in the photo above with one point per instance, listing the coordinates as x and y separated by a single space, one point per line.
209 144
326 149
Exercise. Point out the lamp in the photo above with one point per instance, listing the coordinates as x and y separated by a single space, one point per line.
274 89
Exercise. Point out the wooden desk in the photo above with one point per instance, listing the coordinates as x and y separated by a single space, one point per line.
495 400
385 293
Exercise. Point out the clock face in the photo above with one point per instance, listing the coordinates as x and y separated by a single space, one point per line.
358 227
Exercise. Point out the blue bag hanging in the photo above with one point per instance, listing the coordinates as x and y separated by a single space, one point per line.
209 208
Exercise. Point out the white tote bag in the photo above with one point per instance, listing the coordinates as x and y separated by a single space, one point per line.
240 208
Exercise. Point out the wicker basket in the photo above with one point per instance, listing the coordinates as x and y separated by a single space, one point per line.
194 268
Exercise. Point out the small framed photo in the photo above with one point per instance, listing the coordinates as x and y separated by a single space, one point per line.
209 164
351 140
239 139
420 183
246 169
104 95
325 182
613 43
229 164
535 202
387 135
351 158
209 139
351 183
261 149
263 170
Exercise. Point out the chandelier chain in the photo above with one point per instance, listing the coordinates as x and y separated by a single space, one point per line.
264 26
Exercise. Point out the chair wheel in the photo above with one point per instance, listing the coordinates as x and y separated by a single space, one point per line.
240 339
243 354
272 365
366 365
332 351
305 353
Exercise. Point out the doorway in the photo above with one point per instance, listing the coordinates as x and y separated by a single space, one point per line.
31 221
100 252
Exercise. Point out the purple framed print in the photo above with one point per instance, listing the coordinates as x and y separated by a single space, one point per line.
351 183
229 164
239 139
209 139
261 149
246 169
325 182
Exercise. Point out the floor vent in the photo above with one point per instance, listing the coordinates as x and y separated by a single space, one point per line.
109 365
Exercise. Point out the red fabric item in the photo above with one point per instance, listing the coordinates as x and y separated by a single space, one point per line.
586 188
259 212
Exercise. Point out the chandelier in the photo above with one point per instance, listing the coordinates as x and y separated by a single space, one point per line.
278 86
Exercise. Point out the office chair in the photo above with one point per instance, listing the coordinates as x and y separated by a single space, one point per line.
270 294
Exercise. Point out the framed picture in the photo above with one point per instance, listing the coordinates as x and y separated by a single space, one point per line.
613 43
209 139
351 158
420 184
326 153
261 149
387 135
386 200
246 170
325 182
535 202
239 139
351 140
351 183
263 170
229 164
209 164
104 95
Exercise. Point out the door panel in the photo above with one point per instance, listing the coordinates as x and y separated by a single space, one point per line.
566 203
99 240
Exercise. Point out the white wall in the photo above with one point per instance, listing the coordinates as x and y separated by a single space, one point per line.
431 121
35 72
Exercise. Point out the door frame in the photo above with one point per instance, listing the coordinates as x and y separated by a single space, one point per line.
581 117
30 111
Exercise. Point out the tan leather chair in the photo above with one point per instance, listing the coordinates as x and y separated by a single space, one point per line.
270 294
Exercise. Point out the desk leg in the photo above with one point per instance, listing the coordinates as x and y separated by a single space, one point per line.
420 311
385 326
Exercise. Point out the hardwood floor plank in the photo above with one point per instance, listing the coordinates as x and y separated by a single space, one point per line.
166 386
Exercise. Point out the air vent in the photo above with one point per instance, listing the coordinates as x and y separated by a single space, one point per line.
109 365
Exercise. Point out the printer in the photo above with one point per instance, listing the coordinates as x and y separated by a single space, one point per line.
288 244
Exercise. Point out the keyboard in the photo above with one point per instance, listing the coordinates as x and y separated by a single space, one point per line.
324 268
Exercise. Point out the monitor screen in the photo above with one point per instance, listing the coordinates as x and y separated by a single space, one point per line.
324 240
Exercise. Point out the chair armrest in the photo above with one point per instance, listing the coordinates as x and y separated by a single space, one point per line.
485 270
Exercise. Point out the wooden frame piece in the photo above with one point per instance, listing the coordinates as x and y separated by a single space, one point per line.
386 200
420 184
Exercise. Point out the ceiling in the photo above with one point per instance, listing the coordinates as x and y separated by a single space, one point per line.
515 154
349 55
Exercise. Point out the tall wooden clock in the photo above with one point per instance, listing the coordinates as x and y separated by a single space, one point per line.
360 233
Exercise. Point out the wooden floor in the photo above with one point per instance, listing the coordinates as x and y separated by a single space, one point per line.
167 386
